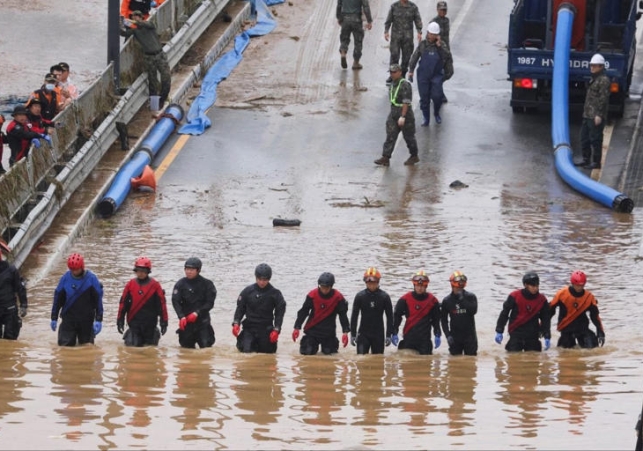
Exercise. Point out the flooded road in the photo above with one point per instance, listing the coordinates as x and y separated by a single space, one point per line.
303 148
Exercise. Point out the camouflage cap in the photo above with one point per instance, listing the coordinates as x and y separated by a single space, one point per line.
442 5
395 68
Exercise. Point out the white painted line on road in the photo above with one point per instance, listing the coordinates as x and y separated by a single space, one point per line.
607 138
458 20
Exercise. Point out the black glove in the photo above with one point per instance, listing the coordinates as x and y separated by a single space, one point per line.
163 328
601 337
120 325
23 312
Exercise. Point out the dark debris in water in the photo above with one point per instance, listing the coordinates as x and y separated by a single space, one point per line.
457 184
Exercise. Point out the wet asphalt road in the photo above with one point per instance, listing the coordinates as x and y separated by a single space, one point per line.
305 151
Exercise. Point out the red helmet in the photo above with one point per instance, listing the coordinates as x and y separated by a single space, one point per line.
143 262
420 277
578 278
458 279
372 273
76 261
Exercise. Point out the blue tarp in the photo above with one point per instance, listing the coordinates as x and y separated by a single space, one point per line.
197 120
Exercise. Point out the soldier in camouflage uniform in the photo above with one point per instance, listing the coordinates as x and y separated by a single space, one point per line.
155 60
595 114
401 17
444 22
349 17
445 28
400 119
435 66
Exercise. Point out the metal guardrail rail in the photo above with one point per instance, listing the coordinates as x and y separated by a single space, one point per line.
36 188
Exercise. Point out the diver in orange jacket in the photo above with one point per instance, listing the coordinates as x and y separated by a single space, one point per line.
144 6
574 302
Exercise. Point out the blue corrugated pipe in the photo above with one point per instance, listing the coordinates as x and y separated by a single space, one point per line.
143 157
560 122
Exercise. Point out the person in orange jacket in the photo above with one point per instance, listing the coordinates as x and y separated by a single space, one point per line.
574 302
144 6
143 303
322 307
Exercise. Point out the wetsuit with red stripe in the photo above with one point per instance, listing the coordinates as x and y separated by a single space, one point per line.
422 311
320 329
19 138
528 316
143 303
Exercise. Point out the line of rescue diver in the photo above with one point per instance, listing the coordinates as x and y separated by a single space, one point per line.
257 322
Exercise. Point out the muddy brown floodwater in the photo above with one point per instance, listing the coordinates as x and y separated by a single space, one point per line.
303 149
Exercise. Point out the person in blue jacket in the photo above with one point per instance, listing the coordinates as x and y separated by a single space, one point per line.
435 66
78 300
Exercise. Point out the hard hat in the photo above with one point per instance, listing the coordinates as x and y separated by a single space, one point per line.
193 262
143 263
597 59
75 261
433 28
372 275
263 271
327 279
420 277
458 279
531 278
578 278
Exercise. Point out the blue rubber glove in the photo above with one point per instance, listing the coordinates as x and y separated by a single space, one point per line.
547 343
53 325
48 139
36 143
153 4
395 339
498 338
98 326
438 341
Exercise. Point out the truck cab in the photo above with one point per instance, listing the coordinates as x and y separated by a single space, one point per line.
607 27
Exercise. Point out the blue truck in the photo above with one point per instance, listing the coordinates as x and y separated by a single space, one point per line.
607 27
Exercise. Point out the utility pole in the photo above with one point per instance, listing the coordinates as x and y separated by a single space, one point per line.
113 40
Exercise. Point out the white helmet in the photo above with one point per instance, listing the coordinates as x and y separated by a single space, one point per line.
597 59
433 28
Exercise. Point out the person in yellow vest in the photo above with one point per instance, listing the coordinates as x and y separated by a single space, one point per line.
574 302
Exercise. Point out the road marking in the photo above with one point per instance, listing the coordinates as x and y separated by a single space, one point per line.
458 20
169 158
607 137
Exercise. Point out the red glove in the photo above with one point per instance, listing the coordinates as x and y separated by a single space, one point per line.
236 329
192 317
295 335
274 336
182 323
345 340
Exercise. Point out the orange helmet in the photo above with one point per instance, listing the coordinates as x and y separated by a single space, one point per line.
76 261
143 263
458 279
420 277
372 275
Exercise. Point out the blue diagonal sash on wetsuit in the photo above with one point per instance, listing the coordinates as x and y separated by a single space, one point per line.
69 301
